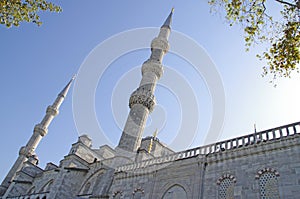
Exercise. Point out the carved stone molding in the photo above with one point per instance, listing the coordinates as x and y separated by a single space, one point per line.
117 192
144 98
231 177
138 190
268 169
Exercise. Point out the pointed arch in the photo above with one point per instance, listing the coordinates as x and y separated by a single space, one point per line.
175 192
31 190
90 181
47 186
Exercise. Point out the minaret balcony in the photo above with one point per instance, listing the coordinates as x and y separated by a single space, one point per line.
144 98
160 43
153 67
23 151
40 130
52 111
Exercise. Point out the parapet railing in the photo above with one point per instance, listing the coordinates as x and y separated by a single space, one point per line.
239 142
43 195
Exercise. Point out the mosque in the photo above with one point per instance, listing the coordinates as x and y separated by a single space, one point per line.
262 165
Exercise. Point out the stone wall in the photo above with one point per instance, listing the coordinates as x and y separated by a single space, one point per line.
218 169
243 165
266 163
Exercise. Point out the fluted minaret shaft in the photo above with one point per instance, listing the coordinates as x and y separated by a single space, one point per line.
40 130
142 100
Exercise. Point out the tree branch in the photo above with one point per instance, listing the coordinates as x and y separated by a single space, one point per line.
286 3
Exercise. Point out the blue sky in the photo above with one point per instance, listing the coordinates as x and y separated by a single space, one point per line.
37 62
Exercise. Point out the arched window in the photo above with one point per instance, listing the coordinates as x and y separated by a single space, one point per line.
47 186
268 183
175 192
89 184
226 186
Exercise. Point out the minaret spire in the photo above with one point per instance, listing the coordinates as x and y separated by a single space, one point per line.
40 130
168 20
142 100
65 91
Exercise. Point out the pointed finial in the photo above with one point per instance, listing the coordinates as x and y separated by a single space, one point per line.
65 91
169 19
155 133
151 141
150 145
74 77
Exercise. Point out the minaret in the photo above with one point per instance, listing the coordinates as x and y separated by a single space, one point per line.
142 100
40 130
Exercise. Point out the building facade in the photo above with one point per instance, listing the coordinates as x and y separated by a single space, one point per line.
263 165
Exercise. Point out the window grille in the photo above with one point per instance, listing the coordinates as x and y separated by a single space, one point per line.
226 188
268 184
